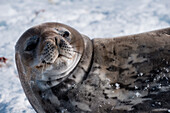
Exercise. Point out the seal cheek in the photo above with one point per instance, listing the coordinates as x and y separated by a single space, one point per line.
27 58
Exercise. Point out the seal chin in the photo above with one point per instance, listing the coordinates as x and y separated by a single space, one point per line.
49 78
51 75
44 85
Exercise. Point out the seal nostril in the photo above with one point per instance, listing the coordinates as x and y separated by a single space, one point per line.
43 61
56 40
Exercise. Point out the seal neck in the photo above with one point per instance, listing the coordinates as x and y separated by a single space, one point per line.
79 73
82 69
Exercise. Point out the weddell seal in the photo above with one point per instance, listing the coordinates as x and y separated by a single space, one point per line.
63 71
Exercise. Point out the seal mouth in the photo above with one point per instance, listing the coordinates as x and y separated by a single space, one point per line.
43 65
40 66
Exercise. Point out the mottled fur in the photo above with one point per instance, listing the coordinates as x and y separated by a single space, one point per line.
114 75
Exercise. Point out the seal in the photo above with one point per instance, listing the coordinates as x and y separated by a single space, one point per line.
64 71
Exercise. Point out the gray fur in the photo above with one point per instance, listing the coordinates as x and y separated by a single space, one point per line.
114 75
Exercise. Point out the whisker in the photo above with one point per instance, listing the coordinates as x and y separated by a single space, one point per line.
74 41
75 46
65 56
76 52
71 50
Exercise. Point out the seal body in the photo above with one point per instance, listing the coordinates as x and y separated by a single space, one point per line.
122 74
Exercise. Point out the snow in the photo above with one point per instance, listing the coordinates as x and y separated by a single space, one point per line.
95 18
137 94
117 86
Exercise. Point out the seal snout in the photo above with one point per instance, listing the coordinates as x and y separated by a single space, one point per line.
49 52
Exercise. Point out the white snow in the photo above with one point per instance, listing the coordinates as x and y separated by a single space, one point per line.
95 18
117 86
137 94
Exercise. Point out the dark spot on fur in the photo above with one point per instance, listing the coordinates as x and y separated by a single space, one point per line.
112 68
65 97
89 94
133 72
126 102
103 45
69 81
97 67
141 47
139 80
49 78
58 90
168 32
82 68
130 62
122 70
105 95
114 97
161 49
49 83
109 59
48 100
154 89
164 81
74 76
114 52
159 100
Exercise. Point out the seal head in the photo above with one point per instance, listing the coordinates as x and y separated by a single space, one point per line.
51 51
47 55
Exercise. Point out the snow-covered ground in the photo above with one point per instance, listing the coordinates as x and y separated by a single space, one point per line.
95 18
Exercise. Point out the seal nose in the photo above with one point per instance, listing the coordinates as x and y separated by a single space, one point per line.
49 52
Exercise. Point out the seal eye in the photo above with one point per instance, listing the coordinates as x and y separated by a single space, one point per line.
31 47
66 34
32 43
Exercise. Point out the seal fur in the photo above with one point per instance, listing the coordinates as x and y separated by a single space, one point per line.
122 74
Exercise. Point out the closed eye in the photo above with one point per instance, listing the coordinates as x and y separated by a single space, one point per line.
32 43
30 47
